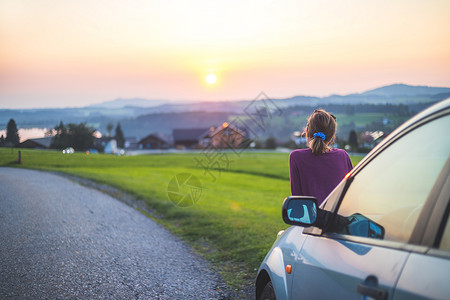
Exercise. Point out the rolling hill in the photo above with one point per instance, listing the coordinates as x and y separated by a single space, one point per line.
140 116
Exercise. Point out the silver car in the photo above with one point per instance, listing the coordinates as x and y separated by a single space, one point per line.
383 233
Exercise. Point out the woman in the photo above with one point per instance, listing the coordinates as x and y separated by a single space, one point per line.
317 170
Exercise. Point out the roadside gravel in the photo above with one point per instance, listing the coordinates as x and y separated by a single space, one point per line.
59 239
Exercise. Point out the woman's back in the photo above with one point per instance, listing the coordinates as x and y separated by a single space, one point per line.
317 175
316 171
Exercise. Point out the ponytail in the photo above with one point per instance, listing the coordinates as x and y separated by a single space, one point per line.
318 145
320 131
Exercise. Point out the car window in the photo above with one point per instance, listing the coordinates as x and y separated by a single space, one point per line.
334 196
386 197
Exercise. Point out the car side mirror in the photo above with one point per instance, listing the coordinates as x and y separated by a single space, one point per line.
300 210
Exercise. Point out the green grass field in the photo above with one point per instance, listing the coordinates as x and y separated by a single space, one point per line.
234 222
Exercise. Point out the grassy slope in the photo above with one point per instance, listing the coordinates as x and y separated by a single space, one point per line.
234 222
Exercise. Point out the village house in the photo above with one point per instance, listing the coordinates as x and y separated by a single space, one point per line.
131 143
39 143
227 136
153 141
190 138
224 136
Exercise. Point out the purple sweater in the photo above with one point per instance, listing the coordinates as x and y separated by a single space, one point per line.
317 176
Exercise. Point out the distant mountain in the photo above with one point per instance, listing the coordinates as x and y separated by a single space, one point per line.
392 94
140 116
406 90
131 102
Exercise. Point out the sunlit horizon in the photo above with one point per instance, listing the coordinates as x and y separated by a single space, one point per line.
78 53
188 101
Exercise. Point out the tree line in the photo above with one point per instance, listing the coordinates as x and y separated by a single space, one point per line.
80 136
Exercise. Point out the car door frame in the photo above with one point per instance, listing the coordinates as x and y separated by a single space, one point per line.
420 279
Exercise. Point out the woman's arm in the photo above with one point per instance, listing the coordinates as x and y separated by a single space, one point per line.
349 162
294 176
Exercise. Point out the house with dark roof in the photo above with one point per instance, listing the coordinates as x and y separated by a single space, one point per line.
153 141
102 142
227 136
39 143
190 138
131 143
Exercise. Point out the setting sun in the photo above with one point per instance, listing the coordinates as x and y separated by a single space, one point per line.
211 78
216 50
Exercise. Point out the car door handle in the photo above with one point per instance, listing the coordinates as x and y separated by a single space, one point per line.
370 288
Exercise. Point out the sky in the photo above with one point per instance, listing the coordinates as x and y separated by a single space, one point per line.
72 53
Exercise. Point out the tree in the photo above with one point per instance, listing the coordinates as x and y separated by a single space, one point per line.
60 139
271 143
109 128
2 141
12 137
119 137
79 136
349 109
257 144
353 140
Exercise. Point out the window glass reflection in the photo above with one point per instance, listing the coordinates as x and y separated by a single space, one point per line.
392 189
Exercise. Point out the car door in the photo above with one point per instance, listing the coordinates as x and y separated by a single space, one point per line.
426 275
379 220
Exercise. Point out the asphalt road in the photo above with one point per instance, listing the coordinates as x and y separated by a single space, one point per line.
60 240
